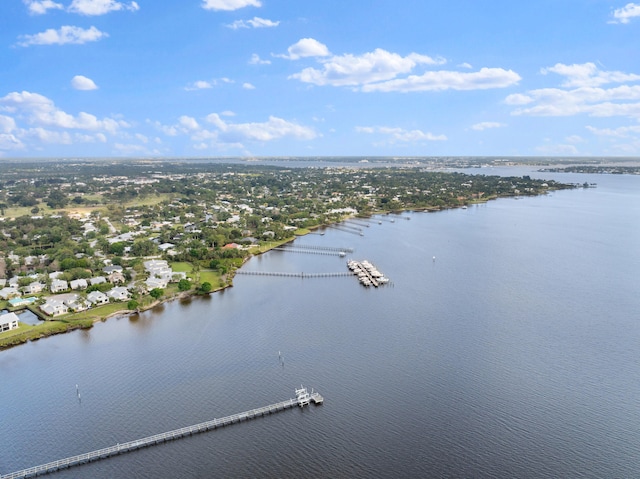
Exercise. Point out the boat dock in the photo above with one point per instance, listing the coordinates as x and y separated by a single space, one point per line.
367 273
302 399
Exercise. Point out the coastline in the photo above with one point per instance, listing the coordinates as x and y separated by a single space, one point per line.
52 327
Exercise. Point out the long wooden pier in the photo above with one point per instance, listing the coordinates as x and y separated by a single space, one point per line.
292 274
124 447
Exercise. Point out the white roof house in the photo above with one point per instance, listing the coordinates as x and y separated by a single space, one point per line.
59 285
78 284
54 307
34 288
8 322
97 297
9 292
119 294
154 282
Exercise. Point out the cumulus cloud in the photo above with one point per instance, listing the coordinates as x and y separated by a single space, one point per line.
222 133
620 132
248 86
306 47
484 79
255 22
229 4
588 74
65 35
39 110
8 139
100 7
80 82
385 71
396 135
256 60
623 100
351 70
485 125
626 13
40 7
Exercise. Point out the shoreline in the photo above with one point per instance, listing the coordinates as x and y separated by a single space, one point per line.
67 324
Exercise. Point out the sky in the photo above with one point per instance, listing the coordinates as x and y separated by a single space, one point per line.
257 78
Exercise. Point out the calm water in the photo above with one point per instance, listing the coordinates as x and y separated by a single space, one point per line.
513 354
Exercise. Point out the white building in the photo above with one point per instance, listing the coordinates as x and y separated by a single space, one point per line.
8 322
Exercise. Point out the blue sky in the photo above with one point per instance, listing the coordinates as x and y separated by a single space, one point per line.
207 78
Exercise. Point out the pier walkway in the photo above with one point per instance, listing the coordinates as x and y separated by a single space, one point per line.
161 438
292 275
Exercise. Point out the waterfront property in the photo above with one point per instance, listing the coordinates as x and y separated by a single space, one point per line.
8 322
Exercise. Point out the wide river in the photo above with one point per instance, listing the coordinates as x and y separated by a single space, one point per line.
515 353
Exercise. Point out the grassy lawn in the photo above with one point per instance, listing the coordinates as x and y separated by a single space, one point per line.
26 332
182 267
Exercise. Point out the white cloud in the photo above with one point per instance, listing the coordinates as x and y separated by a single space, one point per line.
620 132
465 65
8 140
49 136
39 110
557 150
624 14
588 74
65 35
248 86
100 7
485 78
306 47
80 82
574 139
256 60
486 125
199 85
39 7
273 129
228 113
582 94
7 124
229 4
255 22
400 135
188 122
351 70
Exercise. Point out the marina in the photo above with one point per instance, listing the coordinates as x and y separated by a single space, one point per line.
367 273
303 398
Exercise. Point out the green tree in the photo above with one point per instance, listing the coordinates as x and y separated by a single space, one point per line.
205 287
132 305
184 285
156 293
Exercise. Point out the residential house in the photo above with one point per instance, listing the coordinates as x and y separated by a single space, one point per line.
79 284
9 292
58 286
116 277
119 293
153 282
98 280
112 268
8 322
35 288
54 307
77 304
97 297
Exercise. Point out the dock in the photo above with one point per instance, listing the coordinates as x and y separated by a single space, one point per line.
302 398
367 273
